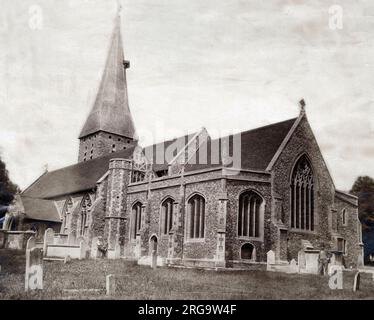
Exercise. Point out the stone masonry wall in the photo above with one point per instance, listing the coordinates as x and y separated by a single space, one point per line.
303 142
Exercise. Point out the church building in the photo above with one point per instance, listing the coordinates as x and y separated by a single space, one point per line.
194 200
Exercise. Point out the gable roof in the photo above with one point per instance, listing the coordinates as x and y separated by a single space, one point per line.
40 209
156 152
111 111
76 178
258 146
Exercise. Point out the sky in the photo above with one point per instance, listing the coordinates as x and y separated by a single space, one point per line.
224 65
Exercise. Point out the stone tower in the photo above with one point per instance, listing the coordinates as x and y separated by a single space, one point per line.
109 126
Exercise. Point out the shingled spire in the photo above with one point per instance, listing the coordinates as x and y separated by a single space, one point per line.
109 126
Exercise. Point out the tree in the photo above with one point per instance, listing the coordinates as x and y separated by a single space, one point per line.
363 188
7 188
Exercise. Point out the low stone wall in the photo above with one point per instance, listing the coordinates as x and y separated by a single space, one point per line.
14 239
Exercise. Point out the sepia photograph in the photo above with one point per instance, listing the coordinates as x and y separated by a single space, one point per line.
207 152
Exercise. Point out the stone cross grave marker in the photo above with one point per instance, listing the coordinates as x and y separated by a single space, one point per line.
34 266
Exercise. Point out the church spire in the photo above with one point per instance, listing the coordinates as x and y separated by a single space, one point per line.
110 113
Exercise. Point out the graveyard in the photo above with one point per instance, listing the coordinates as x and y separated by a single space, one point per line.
86 279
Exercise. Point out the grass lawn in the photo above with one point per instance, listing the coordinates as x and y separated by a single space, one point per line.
140 282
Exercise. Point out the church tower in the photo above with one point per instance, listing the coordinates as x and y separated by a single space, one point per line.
109 126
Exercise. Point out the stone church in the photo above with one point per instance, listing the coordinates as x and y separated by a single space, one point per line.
195 200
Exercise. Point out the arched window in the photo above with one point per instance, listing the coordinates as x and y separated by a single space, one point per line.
302 196
84 214
167 215
246 251
250 212
196 217
66 210
344 217
137 209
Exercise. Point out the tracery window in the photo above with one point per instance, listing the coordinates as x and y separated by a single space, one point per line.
137 209
84 214
167 215
66 210
196 217
250 211
302 196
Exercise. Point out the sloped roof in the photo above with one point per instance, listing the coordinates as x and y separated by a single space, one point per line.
258 146
111 111
79 177
40 209
156 152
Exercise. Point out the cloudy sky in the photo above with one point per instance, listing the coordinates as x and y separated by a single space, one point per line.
226 65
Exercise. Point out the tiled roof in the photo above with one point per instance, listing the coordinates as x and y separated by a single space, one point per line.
40 209
159 154
76 178
258 146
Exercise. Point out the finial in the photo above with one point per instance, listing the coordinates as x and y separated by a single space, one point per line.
302 106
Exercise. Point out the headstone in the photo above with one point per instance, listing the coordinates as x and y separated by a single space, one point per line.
254 254
301 259
67 259
270 257
48 239
335 277
34 269
110 285
356 281
154 259
293 266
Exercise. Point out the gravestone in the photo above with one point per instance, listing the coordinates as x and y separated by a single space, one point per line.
270 259
110 284
356 281
48 239
293 266
254 254
34 268
336 277
154 259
